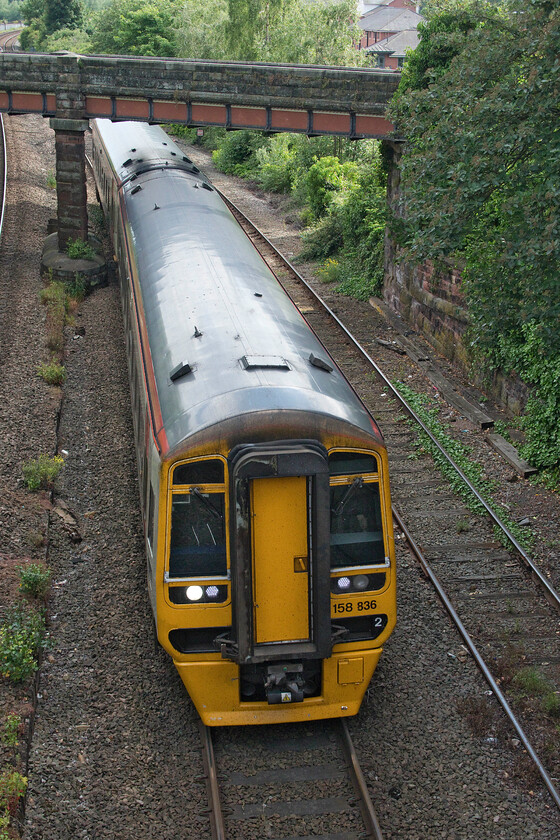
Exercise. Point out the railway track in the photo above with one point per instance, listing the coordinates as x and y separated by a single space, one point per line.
504 606
9 39
298 780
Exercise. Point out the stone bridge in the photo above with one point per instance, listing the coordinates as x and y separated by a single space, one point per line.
71 89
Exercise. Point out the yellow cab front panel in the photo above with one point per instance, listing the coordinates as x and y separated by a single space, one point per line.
289 621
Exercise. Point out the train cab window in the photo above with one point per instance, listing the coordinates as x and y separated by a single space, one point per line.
356 522
343 463
210 471
198 535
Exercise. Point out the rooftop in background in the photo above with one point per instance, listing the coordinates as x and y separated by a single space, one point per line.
389 19
397 45
365 6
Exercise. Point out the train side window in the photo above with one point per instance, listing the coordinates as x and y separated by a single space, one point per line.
151 505
356 524
198 535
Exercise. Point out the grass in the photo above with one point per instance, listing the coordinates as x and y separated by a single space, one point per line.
461 455
531 684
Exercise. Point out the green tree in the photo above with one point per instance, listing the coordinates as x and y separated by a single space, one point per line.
136 27
201 29
62 14
480 175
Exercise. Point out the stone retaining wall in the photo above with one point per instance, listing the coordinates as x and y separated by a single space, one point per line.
433 303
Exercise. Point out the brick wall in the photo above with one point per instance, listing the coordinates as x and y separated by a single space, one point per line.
433 303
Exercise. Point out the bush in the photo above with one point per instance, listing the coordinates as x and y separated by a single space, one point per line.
34 580
277 163
12 787
42 472
21 637
52 373
326 177
10 735
235 156
77 249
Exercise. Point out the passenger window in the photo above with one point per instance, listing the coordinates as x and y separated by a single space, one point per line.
198 541
356 524
151 506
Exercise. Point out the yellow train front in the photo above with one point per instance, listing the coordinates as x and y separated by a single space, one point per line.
263 479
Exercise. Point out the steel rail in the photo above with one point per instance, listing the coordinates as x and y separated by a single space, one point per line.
4 174
478 659
551 594
209 761
366 806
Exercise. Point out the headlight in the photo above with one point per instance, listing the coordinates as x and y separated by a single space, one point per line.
196 594
360 582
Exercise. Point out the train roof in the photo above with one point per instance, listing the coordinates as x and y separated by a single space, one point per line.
225 340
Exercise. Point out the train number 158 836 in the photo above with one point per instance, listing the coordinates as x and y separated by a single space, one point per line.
354 606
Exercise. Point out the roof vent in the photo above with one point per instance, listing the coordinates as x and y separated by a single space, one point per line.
127 162
182 369
320 363
136 189
254 362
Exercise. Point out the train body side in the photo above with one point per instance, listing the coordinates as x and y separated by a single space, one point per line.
263 479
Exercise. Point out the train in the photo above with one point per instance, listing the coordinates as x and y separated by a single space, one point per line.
264 481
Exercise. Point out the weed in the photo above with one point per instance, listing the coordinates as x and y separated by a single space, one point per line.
478 713
51 180
78 287
77 249
10 735
42 472
54 296
34 580
530 683
463 525
330 271
21 637
12 787
461 456
52 373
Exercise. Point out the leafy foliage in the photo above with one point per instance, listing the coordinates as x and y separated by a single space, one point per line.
21 637
34 579
480 180
42 471
136 27
293 31
10 10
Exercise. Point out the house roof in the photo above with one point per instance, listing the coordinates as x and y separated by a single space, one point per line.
389 19
397 45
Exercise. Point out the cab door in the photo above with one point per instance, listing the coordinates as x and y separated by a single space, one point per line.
280 552
279 527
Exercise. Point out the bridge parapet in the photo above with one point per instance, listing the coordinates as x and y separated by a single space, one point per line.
71 89
272 97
